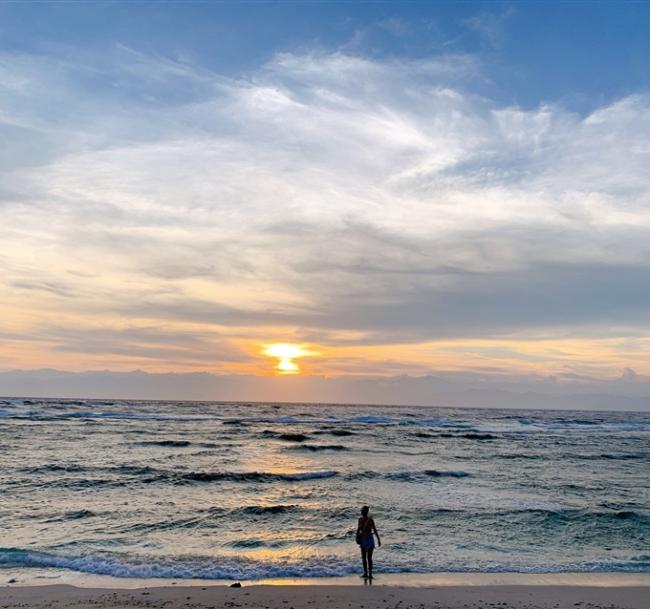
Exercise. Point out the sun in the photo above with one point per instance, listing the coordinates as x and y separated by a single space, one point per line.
285 353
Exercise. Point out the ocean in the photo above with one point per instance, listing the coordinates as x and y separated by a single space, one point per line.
204 490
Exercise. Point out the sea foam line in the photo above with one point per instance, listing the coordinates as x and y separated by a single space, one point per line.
240 568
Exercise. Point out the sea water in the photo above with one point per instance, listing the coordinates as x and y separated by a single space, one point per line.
246 491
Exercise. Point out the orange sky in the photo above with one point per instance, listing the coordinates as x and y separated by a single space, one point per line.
408 226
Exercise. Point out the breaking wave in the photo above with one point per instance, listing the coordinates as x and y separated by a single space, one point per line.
229 568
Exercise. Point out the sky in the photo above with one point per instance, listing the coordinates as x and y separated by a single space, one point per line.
451 191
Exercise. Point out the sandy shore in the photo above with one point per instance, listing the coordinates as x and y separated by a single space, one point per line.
328 597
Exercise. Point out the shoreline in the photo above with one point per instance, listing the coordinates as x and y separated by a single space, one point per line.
35 577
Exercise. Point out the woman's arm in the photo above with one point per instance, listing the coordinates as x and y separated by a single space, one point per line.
374 528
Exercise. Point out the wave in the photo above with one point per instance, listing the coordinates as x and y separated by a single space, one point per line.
558 425
516 425
248 544
438 474
287 437
171 443
261 510
543 516
133 470
148 475
427 473
591 516
133 474
228 568
623 456
466 436
92 409
54 467
578 457
176 568
74 515
337 422
210 518
127 416
188 477
409 476
318 447
611 456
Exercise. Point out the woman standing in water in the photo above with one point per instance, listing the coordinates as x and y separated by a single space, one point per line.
366 541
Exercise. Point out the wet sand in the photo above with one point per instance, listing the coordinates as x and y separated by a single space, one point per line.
328 597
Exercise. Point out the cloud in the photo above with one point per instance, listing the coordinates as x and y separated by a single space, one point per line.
321 193
487 390
153 344
490 26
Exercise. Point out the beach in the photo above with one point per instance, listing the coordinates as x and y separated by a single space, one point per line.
329 597
324 304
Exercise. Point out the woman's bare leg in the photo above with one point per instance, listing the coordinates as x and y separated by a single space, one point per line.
365 562
370 551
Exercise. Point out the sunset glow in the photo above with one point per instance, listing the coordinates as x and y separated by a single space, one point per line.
285 353
294 289
374 205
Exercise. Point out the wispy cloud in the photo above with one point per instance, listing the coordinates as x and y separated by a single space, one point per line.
320 194
490 25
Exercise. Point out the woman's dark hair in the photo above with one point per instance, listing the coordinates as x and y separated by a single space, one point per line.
364 510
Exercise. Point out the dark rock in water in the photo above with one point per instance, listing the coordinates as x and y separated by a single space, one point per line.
13 580
235 585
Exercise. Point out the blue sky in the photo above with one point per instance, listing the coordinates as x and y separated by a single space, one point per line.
401 188
582 53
